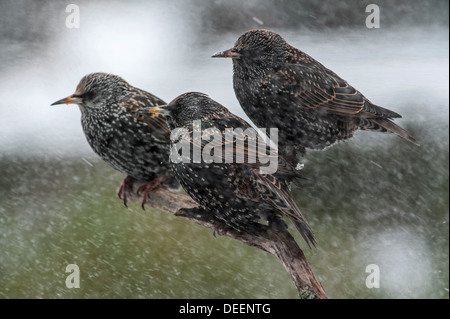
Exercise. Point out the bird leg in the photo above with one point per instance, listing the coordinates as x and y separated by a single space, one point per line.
149 187
125 187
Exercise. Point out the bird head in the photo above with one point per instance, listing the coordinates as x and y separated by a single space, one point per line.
257 47
188 107
96 90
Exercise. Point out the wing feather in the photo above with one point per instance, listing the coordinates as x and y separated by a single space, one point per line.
312 86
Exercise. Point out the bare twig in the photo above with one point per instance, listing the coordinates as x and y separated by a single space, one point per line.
273 238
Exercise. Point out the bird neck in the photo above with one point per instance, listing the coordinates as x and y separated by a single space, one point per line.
249 70
254 67
100 115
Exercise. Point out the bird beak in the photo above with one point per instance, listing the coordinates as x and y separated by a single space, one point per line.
230 53
153 111
160 109
69 100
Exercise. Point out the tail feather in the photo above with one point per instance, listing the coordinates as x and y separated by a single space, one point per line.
286 205
304 230
386 125
380 111
390 126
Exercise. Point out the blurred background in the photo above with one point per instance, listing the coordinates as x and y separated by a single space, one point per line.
376 199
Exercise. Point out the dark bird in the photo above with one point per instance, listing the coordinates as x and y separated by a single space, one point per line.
280 86
238 192
139 149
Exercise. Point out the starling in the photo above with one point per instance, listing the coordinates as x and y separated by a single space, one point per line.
234 191
139 149
280 86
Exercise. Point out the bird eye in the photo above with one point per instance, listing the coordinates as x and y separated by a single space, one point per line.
86 95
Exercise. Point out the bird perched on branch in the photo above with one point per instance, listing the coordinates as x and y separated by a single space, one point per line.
280 86
139 149
227 176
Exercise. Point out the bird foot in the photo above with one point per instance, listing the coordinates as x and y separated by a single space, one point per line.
149 187
219 232
125 187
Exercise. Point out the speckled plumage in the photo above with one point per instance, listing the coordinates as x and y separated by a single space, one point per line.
280 86
139 149
236 193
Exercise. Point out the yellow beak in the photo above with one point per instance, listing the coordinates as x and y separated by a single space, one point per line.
72 99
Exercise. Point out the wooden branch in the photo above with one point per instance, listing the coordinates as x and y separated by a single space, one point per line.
273 238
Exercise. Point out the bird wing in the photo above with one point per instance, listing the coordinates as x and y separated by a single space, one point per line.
236 142
312 86
141 100
248 148
250 185
273 192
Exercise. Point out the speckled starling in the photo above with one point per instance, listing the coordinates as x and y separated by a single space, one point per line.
280 86
236 192
140 150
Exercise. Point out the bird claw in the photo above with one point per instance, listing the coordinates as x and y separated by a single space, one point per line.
218 231
150 187
124 188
